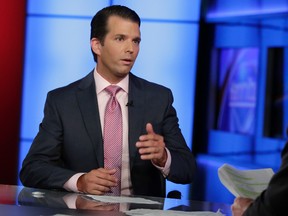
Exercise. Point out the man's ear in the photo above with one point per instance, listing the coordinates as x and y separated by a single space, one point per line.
96 46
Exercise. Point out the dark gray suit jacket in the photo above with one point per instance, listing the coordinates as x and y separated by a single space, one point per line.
70 138
272 202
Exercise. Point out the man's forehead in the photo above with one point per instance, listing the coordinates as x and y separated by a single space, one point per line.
114 26
115 19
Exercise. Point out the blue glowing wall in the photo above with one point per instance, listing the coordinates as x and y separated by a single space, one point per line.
237 84
58 52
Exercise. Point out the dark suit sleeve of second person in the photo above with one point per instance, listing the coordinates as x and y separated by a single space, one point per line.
273 201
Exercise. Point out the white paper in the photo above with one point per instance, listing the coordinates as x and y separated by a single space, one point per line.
245 183
122 199
153 212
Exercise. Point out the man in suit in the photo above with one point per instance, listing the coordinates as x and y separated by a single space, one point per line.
68 151
272 201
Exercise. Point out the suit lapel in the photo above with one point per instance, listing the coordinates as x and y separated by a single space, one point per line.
135 115
88 105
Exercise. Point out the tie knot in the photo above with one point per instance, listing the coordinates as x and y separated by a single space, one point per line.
113 89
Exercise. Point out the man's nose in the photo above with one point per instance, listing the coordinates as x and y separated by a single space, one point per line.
130 46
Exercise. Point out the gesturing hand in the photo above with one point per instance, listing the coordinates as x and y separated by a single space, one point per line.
151 146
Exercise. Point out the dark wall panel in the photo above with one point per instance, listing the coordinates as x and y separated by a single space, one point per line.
12 23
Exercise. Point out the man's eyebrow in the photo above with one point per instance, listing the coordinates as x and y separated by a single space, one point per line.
137 38
122 35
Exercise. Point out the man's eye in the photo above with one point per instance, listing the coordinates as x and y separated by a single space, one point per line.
137 41
119 39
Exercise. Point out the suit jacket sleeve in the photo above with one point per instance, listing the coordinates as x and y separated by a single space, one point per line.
156 106
153 103
183 164
272 202
43 166
69 138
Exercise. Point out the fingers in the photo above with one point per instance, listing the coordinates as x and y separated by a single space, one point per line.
240 205
97 181
236 208
151 146
150 136
150 153
149 128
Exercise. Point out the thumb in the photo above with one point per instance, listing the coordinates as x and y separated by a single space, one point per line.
149 128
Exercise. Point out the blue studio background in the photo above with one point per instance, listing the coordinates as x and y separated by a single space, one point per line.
225 61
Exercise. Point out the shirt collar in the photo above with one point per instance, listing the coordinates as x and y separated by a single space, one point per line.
101 83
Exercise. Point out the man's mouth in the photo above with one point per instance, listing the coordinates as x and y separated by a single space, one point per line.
127 61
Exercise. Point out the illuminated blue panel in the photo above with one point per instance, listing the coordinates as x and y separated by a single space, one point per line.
66 7
57 53
277 6
277 34
228 8
232 8
164 9
236 36
224 143
237 85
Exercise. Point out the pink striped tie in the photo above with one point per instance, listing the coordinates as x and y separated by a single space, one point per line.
113 137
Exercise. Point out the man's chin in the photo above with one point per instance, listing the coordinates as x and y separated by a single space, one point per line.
123 73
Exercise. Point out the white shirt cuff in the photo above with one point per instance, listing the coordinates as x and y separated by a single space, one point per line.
166 169
71 184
